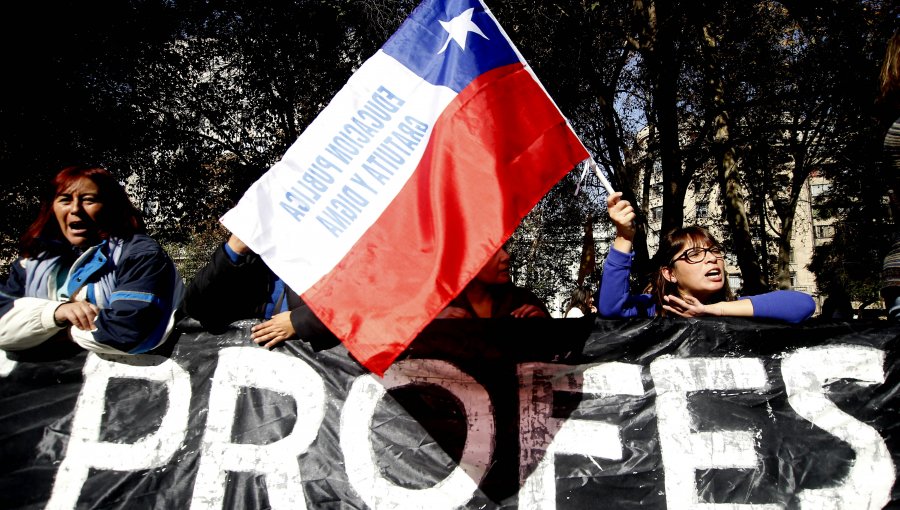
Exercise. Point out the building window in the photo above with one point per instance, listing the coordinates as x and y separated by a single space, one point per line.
656 213
735 282
702 210
824 231
657 171
731 259
817 189
793 279
658 188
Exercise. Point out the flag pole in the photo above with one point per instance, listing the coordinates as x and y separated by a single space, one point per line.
590 163
603 180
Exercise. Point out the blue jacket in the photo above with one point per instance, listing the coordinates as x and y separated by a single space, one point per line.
232 287
615 300
132 281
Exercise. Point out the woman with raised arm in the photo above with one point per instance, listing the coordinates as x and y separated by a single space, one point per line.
691 282
88 274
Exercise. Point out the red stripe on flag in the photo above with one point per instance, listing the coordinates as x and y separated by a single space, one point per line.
494 152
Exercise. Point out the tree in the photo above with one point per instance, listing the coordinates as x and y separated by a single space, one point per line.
190 102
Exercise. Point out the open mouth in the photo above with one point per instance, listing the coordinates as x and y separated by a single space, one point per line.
76 226
714 273
80 228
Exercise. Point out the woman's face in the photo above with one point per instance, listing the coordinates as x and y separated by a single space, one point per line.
496 271
77 209
702 278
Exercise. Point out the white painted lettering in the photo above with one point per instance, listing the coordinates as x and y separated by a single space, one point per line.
542 437
806 373
356 419
684 450
86 451
259 368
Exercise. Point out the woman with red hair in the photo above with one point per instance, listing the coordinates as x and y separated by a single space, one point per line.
88 273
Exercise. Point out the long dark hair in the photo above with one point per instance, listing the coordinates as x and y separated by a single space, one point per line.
119 219
889 77
669 247
579 300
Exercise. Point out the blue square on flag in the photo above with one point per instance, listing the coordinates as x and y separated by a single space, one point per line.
451 43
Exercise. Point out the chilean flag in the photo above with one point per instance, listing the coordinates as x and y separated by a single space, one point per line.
409 180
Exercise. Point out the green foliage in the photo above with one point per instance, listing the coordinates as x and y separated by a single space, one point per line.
192 255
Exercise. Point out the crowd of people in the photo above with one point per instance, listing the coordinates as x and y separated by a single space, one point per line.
89 277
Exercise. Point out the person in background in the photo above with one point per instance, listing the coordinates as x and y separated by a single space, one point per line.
580 304
837 305
88 274
491 294
236 284
691 282
889 105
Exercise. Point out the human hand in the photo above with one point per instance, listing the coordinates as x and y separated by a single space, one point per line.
688 306
622 215
273 331
80 314
453 312
528 311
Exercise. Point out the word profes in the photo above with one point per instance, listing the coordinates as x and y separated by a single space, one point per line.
805 374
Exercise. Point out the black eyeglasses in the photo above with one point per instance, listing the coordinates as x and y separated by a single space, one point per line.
696 255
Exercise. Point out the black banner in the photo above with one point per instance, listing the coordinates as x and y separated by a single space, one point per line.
531 414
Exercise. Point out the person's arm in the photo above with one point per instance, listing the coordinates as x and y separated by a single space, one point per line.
233 285
689 306
300 322
529 305
453 312
784 305
139 314
310 328
622 214
24 321
614 299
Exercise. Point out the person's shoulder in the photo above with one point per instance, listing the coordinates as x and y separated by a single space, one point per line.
138 242
574 313
138 246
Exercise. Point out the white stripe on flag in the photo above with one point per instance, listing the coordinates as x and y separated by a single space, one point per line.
303 225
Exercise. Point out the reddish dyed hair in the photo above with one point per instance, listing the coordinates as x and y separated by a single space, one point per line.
119 218
669 246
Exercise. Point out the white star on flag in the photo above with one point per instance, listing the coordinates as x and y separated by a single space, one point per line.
458 29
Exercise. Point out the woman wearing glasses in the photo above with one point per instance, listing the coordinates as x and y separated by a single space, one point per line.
693 282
